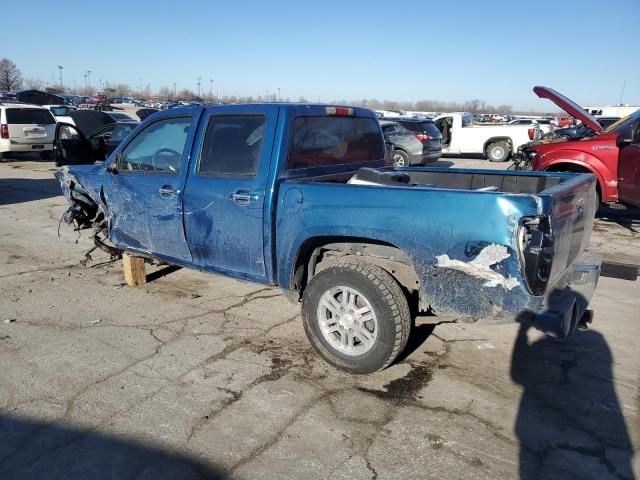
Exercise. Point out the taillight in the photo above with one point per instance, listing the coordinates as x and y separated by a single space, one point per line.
532 133
423 137
4 131
536 250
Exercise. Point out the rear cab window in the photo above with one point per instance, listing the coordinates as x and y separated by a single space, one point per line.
29 116
329 140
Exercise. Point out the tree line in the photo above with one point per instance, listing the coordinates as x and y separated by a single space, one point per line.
11 80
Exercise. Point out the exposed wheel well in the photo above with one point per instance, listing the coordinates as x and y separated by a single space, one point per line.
497 139
400 149
317 253
573 168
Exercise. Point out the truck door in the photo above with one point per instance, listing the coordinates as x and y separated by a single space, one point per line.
225 192
143 186
629 171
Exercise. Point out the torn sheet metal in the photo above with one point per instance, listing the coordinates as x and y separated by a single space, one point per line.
480 266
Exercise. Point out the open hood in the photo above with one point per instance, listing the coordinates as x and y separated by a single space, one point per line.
570 107
146 112
37 97
88 121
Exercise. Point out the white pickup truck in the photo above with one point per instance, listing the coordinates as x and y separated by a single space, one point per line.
497 142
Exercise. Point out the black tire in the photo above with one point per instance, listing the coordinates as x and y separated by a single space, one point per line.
498 151
400 158
1 155
48 155
387 301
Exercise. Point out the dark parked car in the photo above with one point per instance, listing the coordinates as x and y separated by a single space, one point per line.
95 135
415 141
577 132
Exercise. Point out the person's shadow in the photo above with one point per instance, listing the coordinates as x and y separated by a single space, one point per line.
570 424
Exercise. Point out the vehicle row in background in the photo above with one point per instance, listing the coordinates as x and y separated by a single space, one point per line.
414 141
612 154
496 142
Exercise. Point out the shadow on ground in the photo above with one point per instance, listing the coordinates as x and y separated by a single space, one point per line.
19 190
627 217
34 450
570 424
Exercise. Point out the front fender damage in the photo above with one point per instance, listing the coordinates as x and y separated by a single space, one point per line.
85 211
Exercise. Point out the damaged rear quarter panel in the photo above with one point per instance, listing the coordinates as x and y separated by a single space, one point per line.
461 244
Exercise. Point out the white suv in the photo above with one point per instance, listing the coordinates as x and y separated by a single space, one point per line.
26 128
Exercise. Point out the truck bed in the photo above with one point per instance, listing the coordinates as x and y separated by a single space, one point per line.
450 179
443 219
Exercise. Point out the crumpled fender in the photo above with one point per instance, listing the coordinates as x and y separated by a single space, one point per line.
81 179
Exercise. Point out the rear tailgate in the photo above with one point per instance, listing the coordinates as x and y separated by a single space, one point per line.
30 125
571 206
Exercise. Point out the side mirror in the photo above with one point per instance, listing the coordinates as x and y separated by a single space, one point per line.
113 166
625 137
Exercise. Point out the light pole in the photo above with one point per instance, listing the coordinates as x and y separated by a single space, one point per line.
211 89
60 70
100 82
86 85
199 80
89 79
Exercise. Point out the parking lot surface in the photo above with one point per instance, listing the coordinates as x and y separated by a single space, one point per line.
198 376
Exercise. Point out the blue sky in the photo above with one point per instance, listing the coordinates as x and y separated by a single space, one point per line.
445 50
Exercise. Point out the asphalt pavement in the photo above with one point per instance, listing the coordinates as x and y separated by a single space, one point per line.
200 376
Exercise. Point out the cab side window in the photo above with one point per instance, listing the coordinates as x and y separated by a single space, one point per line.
232 146
158 148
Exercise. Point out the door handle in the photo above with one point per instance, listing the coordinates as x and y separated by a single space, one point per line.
243 197
166 191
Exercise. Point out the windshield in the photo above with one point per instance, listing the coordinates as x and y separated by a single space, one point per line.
624 121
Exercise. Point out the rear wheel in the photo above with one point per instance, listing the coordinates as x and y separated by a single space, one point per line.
356 316
400 158
498 152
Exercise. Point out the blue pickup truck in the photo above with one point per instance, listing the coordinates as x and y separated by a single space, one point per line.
299 196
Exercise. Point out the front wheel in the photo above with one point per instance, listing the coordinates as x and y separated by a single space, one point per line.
499 152
356 316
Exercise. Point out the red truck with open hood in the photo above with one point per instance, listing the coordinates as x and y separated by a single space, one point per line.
612 154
